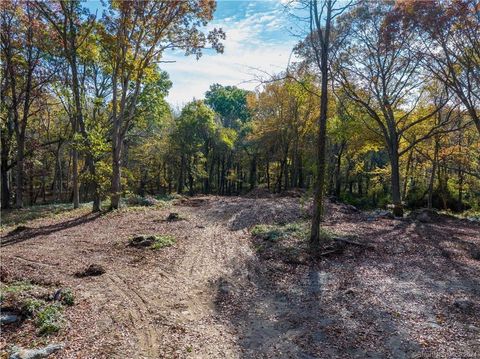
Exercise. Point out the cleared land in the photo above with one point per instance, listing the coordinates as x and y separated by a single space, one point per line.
411 290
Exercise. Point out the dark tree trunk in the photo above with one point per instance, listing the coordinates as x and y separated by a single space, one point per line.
253 172
432 176
323 64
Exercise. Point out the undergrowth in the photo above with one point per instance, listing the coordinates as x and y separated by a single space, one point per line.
163 241
274 232
37 304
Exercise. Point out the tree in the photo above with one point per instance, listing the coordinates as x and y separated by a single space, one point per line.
25 77
230 105
66 20
193 129
451 32
379 71
136 35
321 22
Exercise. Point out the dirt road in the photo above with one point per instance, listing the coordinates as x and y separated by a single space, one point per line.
214 295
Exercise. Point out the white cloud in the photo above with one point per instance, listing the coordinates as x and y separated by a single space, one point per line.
248 48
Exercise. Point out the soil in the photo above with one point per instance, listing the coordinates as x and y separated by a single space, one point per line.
411 292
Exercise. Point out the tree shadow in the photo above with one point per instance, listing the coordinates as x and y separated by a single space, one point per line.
361 304
26 233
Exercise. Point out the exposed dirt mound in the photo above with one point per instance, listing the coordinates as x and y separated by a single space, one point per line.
194 201
294 193
260 192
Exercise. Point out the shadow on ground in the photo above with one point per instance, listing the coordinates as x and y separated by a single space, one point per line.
414 295
21 234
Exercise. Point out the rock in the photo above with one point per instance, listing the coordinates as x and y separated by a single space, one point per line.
20 353
7 318
173 217
146 201
142 241
92 270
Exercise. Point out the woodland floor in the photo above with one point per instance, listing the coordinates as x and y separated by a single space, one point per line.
218 292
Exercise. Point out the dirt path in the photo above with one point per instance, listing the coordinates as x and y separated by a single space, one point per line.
213 295
148 304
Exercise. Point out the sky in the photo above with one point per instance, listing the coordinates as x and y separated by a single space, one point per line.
259 41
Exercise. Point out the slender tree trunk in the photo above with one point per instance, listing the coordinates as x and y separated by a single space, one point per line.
19 174
395 178
268 174
181 175
432 176
5 202
75 187
338 166
407 174
253 172
116 174
321 144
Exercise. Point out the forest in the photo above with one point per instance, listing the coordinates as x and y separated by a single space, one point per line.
366 144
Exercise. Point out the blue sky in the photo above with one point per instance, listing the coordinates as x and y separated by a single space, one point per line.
259 37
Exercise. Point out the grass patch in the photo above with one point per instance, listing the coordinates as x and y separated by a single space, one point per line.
133 201
12 217
17 287
274 233
152 241
163 241
327 235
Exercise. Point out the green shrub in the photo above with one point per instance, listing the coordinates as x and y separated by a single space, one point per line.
67 297
49 319
32 305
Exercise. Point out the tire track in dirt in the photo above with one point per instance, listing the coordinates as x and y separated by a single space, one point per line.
137 311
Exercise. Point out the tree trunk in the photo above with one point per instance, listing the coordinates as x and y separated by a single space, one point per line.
19 174
253 172
5 202
432 176
407 174
322 135
395 178
116 174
